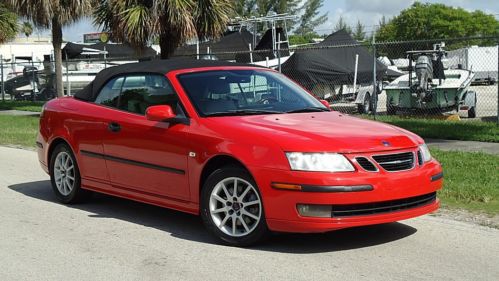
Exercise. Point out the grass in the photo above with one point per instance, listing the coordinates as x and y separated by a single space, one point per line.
18 130
471 180
35 106
443 129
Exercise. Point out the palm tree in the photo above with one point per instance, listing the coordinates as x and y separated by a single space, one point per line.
172 21
53 14
8 24
27 29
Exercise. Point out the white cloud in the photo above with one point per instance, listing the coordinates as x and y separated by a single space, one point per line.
377 6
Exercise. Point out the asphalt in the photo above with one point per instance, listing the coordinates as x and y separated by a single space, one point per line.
116 239
467 146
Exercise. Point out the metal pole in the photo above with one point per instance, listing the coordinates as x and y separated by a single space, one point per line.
251 53
375 92
254 33
355 72
67 76
497 84
279 52
1 69
105 57
197 49
34 73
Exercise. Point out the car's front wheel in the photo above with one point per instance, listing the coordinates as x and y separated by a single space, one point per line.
232 208
65 176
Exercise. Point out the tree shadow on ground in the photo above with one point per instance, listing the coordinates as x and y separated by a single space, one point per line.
190 227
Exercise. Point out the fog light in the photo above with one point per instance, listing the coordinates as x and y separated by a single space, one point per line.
318 211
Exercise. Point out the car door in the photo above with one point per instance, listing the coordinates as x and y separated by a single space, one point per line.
145 156
88 127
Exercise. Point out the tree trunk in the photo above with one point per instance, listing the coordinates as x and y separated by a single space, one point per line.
168 43
56 43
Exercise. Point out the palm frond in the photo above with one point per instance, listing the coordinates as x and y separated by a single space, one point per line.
8 24
212 17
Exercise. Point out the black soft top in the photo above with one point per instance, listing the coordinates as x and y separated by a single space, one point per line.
162 67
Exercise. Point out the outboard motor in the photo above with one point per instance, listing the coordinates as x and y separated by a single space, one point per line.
424 72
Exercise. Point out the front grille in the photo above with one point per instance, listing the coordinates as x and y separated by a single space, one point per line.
382 207
395 162
366 164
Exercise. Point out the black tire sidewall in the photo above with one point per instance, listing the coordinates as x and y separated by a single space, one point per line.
362 107
76 192
258 234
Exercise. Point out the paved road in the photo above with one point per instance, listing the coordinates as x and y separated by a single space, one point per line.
115 239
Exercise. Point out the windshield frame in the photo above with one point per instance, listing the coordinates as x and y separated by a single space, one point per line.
279 77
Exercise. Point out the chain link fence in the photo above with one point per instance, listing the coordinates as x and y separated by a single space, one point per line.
451 76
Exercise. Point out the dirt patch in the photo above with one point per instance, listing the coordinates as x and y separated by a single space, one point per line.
467 216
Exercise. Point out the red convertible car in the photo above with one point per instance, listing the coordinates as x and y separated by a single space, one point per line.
243 146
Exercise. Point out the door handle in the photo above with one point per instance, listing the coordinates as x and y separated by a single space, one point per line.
114 127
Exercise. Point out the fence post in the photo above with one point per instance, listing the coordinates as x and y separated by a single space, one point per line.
375 92
3 87
497 81
34 76
279 51
105 57
197 49
250 53
67 77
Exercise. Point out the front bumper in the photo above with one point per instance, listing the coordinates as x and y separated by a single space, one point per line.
281 205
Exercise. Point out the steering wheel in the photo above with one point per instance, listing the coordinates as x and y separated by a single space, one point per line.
267 101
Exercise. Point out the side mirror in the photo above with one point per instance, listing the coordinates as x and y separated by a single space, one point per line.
326 104
159 113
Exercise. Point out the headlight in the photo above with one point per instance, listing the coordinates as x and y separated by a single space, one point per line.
319 162
425 153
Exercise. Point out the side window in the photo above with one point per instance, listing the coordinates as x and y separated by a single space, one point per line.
109 94
140 91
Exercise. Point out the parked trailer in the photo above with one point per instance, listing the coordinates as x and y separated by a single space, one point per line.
481 60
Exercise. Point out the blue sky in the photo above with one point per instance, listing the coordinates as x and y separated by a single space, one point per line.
368 12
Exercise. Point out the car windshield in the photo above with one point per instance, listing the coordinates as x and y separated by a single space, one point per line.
246 92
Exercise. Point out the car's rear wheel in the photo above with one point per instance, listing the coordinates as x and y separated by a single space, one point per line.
65 176
232 208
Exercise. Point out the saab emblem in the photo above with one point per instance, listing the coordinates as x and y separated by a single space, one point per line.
385 143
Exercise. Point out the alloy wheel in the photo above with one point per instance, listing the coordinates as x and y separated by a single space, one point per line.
235 206
64 173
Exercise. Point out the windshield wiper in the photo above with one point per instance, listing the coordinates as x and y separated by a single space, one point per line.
308 109
242 112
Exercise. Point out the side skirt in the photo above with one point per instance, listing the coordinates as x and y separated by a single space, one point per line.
160 201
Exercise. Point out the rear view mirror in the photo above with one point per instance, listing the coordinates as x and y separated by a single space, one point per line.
159 113
326 104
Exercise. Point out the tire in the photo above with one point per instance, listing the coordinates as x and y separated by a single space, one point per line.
470 101
65 176
221 210
390 110
366 106
472 112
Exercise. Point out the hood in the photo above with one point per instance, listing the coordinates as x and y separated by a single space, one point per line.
319 132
